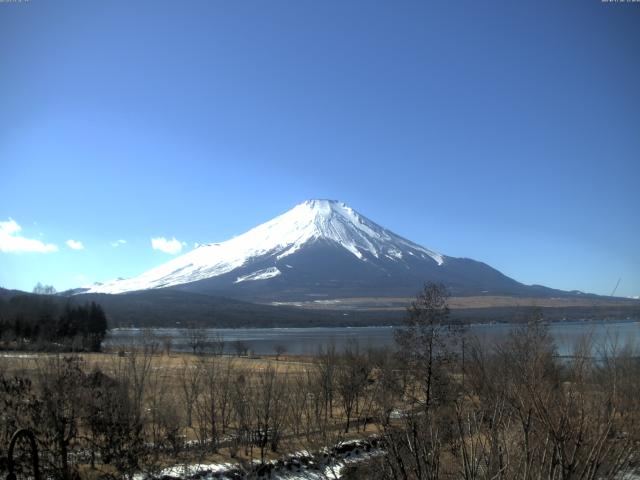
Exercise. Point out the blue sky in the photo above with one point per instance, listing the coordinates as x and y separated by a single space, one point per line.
508 132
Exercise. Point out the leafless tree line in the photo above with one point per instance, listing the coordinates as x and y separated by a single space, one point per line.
140 410
511 410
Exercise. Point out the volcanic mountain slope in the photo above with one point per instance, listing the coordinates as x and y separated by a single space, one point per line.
319 249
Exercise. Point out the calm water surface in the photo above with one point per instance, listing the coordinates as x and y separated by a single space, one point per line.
308 340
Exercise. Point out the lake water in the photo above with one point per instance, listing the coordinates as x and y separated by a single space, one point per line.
303 341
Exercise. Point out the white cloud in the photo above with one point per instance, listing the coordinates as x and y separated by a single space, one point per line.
117 243
74 244
10 227
11 242
172 246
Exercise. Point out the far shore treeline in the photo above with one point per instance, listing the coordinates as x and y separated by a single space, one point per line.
50 323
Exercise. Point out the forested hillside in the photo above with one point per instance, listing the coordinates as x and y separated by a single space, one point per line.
48 322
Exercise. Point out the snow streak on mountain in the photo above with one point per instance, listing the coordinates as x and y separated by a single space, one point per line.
321 231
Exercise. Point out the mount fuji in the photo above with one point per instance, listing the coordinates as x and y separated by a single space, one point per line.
320 249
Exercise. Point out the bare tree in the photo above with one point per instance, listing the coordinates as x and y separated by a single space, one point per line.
225 379
164 423
197 339
326 363
167 345
41 289
240 347
424 344
528 415
218 344
212 405
114 424
351 379
270 409
242 413
279 350
60 383
190 377
125 412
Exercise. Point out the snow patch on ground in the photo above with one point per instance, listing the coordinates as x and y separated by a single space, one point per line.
327 464
189 471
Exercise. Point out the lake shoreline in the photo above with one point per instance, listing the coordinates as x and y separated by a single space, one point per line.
308 340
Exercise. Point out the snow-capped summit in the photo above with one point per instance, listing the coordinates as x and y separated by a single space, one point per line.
329 221
318 248
335 221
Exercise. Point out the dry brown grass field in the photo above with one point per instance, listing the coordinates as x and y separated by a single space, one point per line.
18 361
165 383
480 301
